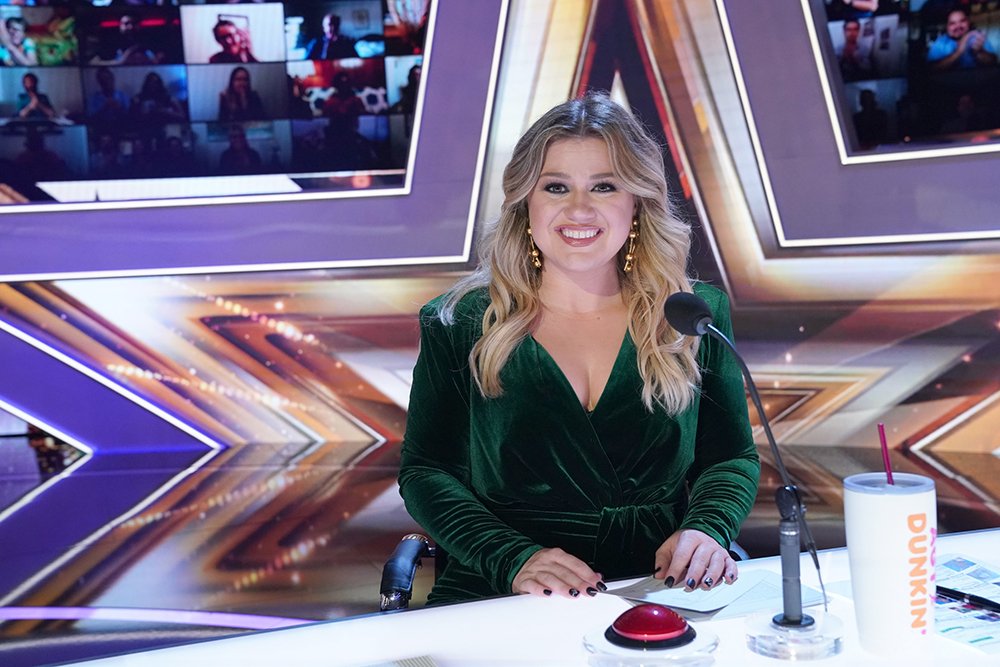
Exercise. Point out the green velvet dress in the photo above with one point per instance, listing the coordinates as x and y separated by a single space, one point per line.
494 480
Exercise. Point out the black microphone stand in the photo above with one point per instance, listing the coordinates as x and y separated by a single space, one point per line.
793 527
790 635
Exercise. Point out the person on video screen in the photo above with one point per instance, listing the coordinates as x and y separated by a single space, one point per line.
871 122
235 43
346 148
966 116
38 163
108 105
407 103
855 54
129 47
239 157
177 160
332 45
239 101
32 104
960 46
16 48
106 158
344 101
154 102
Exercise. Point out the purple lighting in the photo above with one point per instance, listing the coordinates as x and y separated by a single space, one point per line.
179 616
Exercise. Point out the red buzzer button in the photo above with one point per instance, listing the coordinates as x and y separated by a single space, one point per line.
650 626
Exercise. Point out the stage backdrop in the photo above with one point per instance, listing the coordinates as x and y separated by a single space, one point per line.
273 402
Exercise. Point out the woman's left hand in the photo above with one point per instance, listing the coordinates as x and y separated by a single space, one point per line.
690 558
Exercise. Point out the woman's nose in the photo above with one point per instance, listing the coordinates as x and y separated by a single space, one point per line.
580 207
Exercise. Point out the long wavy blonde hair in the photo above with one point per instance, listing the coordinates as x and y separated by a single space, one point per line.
666 360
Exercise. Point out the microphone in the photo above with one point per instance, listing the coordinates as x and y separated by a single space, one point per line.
689 314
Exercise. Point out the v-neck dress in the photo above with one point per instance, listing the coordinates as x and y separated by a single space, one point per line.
493 480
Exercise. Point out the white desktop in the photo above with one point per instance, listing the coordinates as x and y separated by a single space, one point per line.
532 630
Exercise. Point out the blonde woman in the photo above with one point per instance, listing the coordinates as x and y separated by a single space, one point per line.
560 432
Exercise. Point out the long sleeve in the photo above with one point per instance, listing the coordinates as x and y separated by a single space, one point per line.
434 476
723 480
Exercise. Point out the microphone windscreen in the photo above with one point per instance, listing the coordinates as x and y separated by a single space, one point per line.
687 313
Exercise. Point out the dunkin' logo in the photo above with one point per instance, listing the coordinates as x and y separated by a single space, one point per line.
921 547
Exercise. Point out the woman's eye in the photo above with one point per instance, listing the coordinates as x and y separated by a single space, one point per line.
555 188
605 187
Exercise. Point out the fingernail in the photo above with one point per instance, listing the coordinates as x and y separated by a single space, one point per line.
691 583
601 586
547 592
591 591
573 592
658 568
669 582
708 582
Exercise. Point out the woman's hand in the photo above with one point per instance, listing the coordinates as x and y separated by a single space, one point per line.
551 571
690 558
246 49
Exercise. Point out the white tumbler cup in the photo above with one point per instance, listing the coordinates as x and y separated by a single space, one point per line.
891 533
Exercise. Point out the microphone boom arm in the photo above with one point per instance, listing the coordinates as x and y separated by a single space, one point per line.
793 527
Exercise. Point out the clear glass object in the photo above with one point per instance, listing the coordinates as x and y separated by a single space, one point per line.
822 639
699 653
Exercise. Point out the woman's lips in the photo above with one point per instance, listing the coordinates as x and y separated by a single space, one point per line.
579 236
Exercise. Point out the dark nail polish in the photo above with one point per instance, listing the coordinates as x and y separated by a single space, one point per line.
658 568
573 592
708 582
547 592
601 586
591 591
669 582
691 583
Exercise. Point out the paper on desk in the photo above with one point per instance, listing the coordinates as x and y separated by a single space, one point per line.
961 622
962 573
753 592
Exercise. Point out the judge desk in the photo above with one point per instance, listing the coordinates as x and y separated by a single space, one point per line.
535 630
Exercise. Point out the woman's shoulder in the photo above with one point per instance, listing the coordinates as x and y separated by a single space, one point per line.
455 324
467 311
716 299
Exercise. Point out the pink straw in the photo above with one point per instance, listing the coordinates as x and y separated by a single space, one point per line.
885 453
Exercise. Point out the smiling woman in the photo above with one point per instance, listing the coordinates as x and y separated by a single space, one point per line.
580 214
557 434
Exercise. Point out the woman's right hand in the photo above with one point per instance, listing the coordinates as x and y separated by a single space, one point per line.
553 571
245 46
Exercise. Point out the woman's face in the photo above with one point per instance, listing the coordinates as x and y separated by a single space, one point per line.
228 37
16 32
241 80
237 138
579 212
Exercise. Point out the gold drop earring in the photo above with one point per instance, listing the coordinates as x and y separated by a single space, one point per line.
533 254
630 253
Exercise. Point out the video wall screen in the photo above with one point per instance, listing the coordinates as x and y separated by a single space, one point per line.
114 100
914 74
